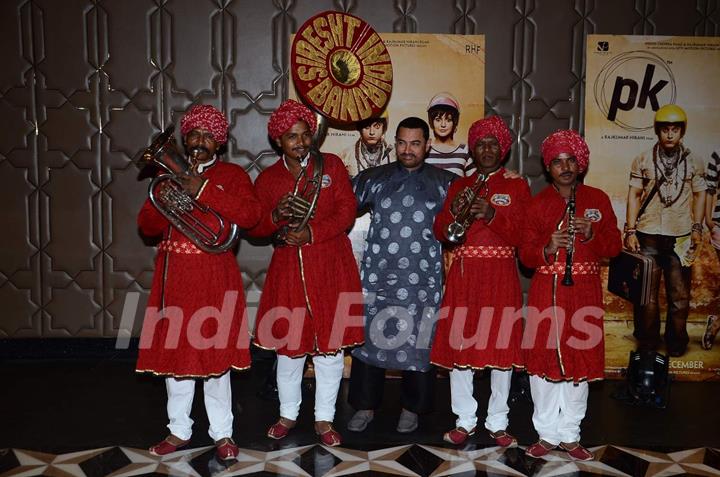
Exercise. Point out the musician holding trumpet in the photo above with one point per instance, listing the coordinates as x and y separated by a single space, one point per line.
481 221
307 206
193 273
569 228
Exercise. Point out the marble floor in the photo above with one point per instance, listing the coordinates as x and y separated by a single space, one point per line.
96 418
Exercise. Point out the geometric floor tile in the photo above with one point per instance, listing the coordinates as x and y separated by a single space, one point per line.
411 460
700 461
697 461
712 458
33 463
176 464
559 463
419 460
381 461
516 459
630 462
282 462
7 460
105 463
464 462
318 461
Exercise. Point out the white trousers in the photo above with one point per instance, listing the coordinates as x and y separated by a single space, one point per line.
218 405
464 405
328 373
559 409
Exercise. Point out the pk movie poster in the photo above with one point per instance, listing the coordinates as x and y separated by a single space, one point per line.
628 79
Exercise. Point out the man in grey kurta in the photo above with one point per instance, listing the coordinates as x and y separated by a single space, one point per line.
401 274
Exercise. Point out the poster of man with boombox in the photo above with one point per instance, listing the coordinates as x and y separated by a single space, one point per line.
652 115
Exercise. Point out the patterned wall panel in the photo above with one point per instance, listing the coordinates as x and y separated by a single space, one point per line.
19 263
69 167
86 84
255 71
131 104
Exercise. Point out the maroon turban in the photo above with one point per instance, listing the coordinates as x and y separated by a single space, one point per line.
569 142
204 116
491 126
285 117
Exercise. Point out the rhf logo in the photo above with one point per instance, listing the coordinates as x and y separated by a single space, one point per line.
632 86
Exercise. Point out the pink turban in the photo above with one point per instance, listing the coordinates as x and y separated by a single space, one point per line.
491 126
569 142
204 116
285 117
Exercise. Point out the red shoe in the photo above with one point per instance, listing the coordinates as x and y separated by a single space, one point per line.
576 451
165 447
330 437
539 449
504 439
279 429
226 449
458 435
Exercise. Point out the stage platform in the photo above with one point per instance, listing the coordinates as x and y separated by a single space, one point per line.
96 418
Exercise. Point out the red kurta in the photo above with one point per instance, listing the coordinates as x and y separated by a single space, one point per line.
198 341
483 279
574 350
308 281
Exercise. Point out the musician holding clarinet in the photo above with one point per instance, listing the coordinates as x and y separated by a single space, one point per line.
570 227
481 222
307 206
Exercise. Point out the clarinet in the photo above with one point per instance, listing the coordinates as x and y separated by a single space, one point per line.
569 251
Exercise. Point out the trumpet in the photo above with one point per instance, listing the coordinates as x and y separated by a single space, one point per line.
304 197
464 218
185 213
570 250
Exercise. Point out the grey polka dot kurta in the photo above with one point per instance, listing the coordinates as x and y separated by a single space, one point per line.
401 269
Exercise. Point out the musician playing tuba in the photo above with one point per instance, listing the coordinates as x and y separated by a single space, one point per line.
311 269
564 335
188 281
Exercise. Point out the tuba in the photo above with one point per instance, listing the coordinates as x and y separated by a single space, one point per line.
304 198
356 72
189 216
464 218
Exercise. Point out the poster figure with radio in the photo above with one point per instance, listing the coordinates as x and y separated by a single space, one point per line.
652 116
665 209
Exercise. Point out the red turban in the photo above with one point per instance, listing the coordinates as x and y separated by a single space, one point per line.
204 116
285 117
569 142
491 126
